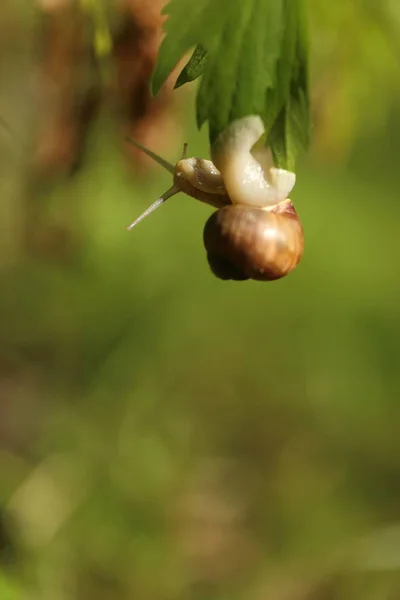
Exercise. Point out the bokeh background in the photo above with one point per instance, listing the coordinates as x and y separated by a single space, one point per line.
163 434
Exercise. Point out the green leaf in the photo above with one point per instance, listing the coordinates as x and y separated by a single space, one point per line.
288 134
291 125
188 24
253 57
194 68
242 64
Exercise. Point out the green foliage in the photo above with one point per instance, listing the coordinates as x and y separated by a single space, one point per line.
194 68
252 56
288 104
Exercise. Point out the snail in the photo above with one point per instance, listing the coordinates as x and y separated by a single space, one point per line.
256 232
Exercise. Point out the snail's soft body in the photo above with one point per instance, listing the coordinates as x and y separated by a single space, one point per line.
200 179
256 232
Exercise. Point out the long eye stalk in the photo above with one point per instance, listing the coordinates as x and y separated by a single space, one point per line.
158 159
168 194
171 192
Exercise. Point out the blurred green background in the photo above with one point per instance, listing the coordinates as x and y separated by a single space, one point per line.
166 435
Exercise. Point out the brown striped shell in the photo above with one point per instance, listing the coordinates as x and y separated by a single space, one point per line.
254 243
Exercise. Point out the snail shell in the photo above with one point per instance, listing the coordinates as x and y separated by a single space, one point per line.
253 243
